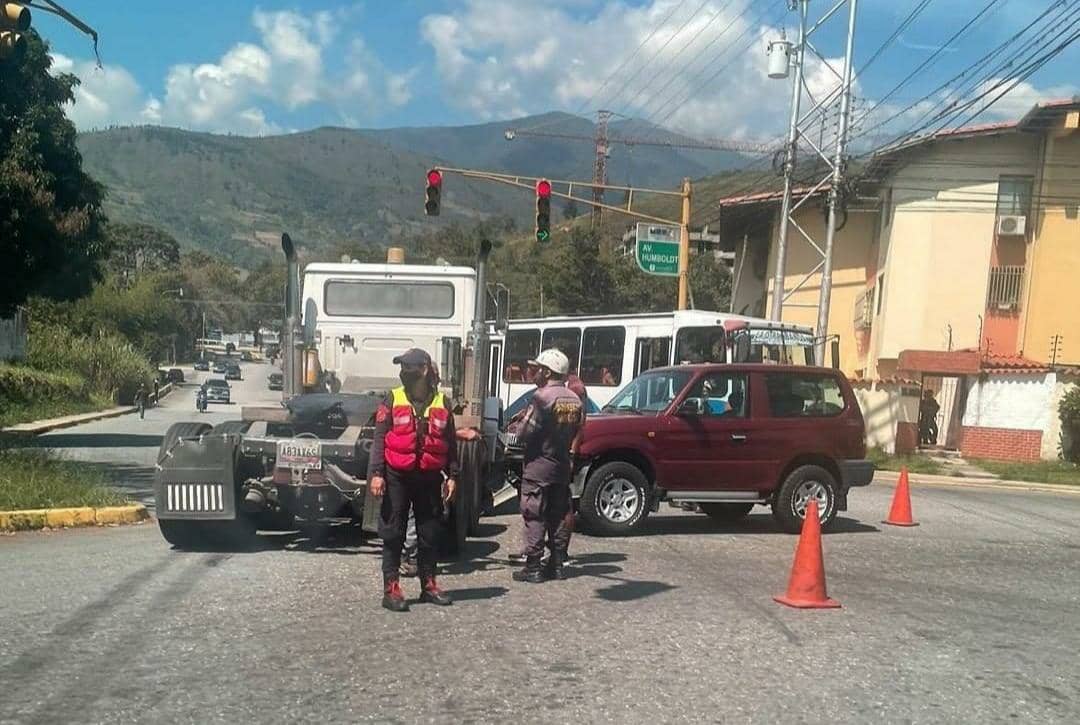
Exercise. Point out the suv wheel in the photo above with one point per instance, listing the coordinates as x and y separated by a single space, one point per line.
726 512
616 499
801 485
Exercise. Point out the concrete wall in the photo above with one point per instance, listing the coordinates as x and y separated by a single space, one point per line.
1052 436
1054 257
1006 416
13 337
885 406
937 249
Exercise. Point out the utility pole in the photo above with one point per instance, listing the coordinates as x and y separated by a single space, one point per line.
684 245
600 165
800 131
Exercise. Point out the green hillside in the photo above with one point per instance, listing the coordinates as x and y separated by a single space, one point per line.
330 187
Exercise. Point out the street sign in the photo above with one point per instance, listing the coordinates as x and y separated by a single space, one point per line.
657 249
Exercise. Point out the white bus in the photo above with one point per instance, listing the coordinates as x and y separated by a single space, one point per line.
608 351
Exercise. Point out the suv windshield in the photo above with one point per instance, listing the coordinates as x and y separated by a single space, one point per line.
649 393
216 383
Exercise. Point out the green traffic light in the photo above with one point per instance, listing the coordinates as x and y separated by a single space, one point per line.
542 235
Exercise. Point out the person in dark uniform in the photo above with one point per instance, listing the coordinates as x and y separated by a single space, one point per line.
548 429
413 463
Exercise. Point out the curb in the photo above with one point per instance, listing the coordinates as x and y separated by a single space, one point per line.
38 427
924 479
65 518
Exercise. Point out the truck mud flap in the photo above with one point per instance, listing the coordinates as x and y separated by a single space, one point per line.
196 479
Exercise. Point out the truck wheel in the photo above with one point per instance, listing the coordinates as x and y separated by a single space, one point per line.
801 485
471 455
616 499
181 534
726 512
180 430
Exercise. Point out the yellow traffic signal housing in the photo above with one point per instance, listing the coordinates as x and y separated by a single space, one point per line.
14 21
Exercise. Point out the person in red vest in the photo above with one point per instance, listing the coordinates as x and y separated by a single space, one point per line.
413 463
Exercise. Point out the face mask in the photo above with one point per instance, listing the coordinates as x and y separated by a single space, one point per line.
409 378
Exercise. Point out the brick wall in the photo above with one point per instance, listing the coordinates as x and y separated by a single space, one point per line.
1002 444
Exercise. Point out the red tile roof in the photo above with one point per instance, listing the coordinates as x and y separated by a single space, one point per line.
996 363
967 362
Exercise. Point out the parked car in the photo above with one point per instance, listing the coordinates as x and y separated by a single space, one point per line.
202 365
275 381
232 372
175 375
217 391
220 367
725 438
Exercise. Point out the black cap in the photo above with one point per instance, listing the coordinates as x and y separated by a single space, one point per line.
413 356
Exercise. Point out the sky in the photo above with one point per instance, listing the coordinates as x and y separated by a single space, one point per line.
698 66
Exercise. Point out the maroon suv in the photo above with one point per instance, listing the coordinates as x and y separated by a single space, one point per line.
723 437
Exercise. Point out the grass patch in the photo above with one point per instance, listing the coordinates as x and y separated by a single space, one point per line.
27 412
35 480
1033 471
915 464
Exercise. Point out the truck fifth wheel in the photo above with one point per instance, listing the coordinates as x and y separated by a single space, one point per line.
306 459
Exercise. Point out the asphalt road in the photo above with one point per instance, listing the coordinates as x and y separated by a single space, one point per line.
125 448
970 617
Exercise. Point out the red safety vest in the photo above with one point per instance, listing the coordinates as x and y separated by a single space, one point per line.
402 449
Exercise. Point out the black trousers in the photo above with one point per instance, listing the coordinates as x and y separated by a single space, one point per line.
422 491
546 510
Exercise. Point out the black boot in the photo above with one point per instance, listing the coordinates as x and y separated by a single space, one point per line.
433 593
532 573
393 599
553 567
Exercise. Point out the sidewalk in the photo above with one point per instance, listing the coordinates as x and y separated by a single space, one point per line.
38 427
926 479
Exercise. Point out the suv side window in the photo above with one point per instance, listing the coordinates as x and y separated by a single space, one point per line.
795 395
722 394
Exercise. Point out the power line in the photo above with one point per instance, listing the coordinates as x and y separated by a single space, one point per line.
661 49
630 57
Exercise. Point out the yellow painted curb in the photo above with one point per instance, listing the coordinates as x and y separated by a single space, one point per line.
71 517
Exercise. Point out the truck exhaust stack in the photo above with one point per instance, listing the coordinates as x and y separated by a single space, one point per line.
292 351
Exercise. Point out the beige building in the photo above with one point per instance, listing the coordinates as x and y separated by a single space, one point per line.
963 240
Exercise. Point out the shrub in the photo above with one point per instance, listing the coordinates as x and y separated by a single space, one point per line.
1069 412
111 366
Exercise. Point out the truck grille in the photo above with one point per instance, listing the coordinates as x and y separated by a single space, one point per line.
195 497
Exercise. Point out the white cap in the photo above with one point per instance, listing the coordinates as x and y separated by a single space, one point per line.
553 360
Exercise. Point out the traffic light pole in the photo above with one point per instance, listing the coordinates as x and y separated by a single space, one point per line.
684 194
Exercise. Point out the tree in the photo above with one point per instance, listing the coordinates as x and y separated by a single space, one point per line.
138 248
51 220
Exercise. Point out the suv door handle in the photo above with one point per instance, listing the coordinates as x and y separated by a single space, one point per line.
738 437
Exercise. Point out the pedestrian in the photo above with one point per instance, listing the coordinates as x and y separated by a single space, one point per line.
157 390
413 463
140 400
547 431
928 411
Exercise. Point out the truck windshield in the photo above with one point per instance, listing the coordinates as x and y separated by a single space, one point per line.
649 393
372 298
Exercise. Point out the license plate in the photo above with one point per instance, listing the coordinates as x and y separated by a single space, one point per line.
299 454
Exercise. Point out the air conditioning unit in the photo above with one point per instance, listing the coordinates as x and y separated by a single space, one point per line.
1011 225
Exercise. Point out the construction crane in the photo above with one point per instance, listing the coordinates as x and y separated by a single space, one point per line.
603 140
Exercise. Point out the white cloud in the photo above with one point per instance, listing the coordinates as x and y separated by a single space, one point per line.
497 58
286 69
1021 98
109 95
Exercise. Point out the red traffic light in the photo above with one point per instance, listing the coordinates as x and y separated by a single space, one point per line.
434 177
543 188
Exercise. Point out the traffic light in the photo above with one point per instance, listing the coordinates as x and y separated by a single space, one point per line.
543 210
14 21
433 195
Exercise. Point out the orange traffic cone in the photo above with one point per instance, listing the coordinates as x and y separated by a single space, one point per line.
806 588
900 513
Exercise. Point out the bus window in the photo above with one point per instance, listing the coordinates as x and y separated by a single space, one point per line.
652 352
521 347
700 345
567 340
602 355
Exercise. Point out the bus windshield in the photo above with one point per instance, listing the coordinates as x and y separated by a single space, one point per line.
700 345
649 393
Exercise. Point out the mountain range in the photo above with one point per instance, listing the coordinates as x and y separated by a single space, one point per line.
234 195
